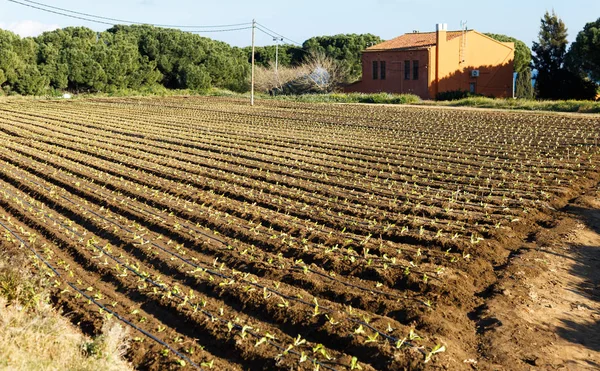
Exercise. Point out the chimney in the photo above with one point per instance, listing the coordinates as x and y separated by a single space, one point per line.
440 50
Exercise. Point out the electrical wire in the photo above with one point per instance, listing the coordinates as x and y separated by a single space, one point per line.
278 34
223 30
89 17
199 29
63 14
273 36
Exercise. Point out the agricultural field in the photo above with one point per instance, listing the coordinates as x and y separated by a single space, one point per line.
284 236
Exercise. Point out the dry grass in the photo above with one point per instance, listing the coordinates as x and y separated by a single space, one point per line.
33 336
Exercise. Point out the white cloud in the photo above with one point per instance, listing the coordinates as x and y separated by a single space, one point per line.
28 28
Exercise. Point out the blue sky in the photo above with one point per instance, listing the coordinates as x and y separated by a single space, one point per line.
300 20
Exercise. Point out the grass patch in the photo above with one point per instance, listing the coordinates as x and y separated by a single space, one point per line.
524 104
381 98
375 98
33 336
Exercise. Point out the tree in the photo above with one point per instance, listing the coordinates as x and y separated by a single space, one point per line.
31 82
549 55
524 88
584 54
522 65
265 55
522 52
345 49
194 77
18 67
554 80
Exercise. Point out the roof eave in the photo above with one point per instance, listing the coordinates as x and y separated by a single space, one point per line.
400 49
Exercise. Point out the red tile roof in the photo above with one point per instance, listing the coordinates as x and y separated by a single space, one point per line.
413 41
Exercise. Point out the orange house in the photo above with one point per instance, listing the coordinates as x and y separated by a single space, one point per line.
428 63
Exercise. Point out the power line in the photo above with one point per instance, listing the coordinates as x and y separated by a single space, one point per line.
224 30
103 20
63 14
273 36
79 14
278 34
265 32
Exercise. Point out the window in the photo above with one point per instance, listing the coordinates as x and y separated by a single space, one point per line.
406 70
375 70
382 68
415 70
472 87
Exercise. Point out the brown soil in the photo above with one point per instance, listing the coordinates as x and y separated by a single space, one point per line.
220 239
544 311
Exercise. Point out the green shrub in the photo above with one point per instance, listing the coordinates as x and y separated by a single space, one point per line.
580 106
379 98
455 95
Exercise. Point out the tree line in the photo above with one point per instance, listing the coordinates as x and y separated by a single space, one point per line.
79 59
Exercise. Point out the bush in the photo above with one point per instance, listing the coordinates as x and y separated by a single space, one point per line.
564 85
379 98
580 106
386 98
456 95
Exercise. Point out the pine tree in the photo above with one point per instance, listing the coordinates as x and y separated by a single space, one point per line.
549 54
584 55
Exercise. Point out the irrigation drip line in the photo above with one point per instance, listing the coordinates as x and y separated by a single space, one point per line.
152 337
179 354
222 242
150 170
432 276
164 288
390 338
224 276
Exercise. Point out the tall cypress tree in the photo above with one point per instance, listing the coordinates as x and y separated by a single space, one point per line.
549 55
524 86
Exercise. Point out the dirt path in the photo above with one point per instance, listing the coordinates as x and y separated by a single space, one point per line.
544 311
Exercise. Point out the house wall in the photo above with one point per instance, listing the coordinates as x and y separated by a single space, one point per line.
442 70
431 85
394 81
493 59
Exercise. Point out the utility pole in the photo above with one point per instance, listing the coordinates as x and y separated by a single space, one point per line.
277 39
252 73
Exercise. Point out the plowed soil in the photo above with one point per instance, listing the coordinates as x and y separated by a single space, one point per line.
301 236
